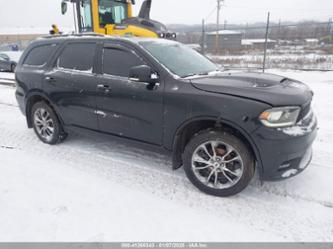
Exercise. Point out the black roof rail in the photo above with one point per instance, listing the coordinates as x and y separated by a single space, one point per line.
75 35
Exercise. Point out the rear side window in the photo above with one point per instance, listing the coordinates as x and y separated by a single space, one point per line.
38 56
78 56
119 62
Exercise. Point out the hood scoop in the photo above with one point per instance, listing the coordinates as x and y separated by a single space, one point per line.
269 88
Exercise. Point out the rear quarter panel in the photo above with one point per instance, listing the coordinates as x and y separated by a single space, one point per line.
29 79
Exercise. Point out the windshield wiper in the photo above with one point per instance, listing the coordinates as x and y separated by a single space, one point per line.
194 74
201 74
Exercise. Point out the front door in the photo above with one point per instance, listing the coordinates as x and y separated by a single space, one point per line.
127 108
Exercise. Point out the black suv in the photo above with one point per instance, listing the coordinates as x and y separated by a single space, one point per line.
220 126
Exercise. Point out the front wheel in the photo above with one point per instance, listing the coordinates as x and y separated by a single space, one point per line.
218 163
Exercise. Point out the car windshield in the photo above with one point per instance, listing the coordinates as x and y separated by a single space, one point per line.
178 58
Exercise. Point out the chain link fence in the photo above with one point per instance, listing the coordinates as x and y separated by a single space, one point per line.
300 46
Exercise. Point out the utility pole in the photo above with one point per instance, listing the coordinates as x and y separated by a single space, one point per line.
203 38
266 41
279 30
246 28
329 28
74 14
217 42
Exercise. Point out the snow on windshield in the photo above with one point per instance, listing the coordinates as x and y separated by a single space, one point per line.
179 59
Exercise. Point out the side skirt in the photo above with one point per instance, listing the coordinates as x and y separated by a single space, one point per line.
122 140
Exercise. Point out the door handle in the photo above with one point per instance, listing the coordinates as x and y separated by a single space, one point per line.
104 88
50 79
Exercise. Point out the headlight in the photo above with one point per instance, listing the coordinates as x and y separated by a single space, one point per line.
280 117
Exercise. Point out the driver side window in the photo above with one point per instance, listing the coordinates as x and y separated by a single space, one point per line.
118 62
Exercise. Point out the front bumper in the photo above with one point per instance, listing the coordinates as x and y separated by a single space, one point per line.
286 152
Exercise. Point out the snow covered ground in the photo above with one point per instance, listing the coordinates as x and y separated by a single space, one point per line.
95 189
6 76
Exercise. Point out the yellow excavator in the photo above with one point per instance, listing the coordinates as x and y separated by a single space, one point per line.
115 17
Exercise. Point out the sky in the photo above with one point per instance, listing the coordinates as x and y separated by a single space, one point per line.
43 13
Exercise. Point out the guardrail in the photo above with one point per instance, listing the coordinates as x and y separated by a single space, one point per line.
7 81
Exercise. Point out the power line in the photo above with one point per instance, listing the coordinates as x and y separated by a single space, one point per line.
278 9
276 26
234 26
210 14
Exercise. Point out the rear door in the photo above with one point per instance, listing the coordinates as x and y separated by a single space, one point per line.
72 84
127 108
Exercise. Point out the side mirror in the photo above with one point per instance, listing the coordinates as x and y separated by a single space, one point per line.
143 74
63 7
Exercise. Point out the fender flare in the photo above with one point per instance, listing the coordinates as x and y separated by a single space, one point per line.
39 93
219 121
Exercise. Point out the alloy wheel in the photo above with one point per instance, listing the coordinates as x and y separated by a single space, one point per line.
217 165
44 124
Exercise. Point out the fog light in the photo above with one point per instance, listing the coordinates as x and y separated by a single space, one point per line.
284 166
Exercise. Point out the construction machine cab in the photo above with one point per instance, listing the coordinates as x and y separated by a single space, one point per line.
114 17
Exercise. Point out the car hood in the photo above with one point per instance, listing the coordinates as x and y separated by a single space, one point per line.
269 88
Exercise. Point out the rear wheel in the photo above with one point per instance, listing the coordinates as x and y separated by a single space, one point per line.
218 163
46 124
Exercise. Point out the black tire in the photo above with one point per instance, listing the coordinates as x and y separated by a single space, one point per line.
12 68
63 136
58 134
239 146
